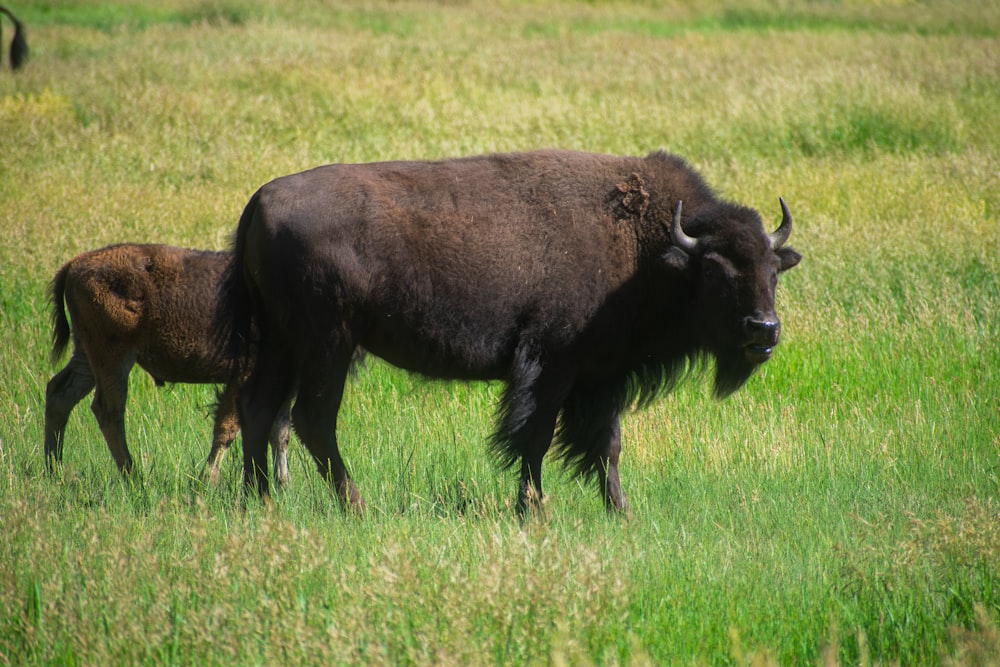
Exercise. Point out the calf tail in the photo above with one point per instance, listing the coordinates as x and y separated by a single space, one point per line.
60 325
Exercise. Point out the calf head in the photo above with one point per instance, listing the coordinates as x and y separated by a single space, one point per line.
733 264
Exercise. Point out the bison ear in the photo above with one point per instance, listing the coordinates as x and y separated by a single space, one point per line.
676 259
788 258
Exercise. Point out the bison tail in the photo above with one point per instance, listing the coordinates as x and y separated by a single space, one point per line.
236 305
18 43
60 324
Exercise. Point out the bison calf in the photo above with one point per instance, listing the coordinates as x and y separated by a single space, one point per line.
152 305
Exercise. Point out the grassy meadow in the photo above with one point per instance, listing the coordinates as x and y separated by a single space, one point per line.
843 508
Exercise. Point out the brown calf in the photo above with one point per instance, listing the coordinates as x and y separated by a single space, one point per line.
152 305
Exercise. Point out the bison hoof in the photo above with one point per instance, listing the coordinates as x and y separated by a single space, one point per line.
530 503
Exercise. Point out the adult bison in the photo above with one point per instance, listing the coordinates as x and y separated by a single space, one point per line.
154 305
567 275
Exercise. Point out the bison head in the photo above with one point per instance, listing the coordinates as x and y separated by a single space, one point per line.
733 265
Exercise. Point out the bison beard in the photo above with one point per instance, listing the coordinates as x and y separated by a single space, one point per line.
579 280
732 370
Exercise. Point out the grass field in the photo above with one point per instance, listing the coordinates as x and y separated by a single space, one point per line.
843 508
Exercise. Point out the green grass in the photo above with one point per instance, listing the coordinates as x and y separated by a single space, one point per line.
841 508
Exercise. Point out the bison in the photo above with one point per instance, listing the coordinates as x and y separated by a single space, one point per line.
153 305
18 42
577 279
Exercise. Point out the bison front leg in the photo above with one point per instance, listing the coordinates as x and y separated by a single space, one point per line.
591 435
528 411
529 490
607 474
63 392
529 444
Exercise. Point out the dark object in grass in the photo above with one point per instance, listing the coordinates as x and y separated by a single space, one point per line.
577 279
152 305
18 43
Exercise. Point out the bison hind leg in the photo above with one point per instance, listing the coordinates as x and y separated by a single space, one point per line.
321 389
262 398
108 407
63 392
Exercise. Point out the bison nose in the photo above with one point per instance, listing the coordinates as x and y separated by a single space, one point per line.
761 337
762 331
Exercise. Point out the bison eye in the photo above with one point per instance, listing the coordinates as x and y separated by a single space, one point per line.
717 267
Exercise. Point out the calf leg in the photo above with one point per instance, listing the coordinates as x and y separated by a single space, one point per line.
280 432
109 409
63 392
315 419
227 425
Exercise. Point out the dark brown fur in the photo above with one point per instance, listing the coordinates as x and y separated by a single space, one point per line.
555 272
18 42
152 305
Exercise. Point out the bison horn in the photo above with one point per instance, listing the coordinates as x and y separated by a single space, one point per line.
784 230
686 243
